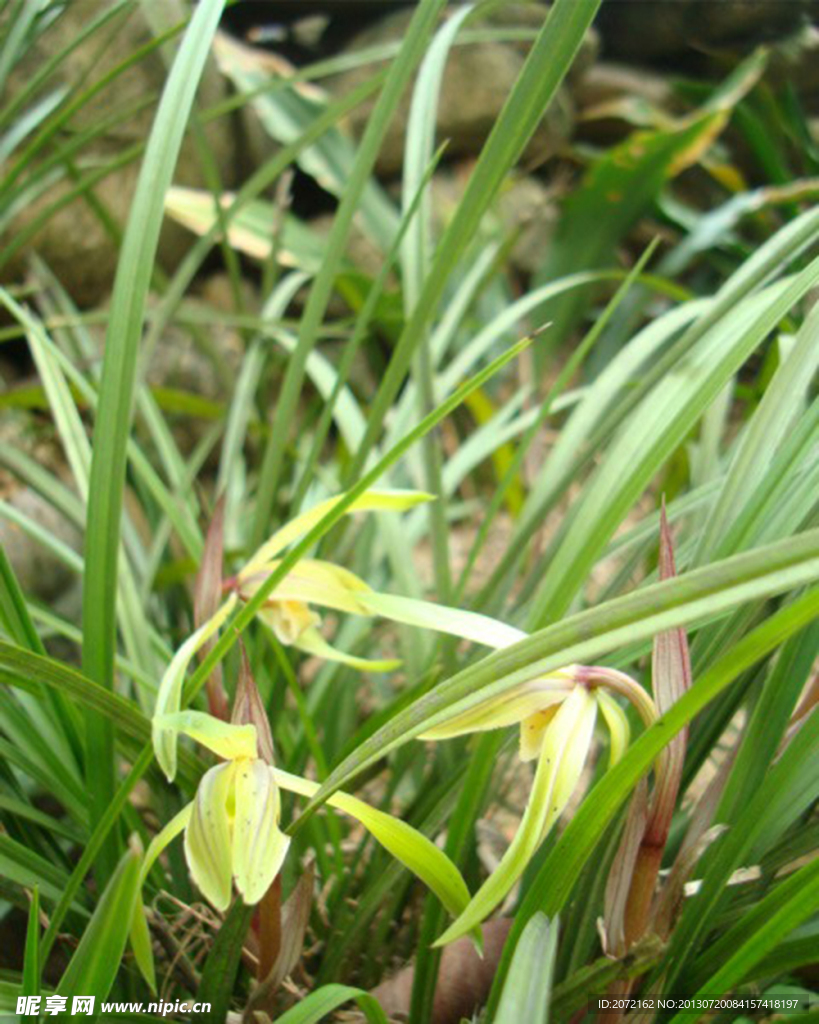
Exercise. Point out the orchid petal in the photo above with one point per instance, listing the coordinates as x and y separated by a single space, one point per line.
259 846
617 722
169 697
208 835
369 501
312 642
549 792
509 708
575 755
480 629
225 739
532 729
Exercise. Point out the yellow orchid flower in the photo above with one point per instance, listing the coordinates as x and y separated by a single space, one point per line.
556 714
288 611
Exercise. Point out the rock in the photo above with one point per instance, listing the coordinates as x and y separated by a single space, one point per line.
203 365
39 572
608 82
362 252
524 211
477 81
527 210
663 28
74 242
613 99
795 62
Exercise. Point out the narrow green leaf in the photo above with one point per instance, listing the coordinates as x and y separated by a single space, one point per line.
95 962
716 955
412 49
92 847
625 180
112 427
246 615
14 615
528 988
24 867
636 370
324 1000
140 939
222 965
655 430
583 638
769 721
780 408
776 918
789 789
546 64
31 956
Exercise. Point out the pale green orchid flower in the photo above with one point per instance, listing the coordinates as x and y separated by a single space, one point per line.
557 715
231 827
232 835
232 830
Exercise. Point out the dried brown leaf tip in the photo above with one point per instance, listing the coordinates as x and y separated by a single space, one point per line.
671 676
631 895
207 596
248 709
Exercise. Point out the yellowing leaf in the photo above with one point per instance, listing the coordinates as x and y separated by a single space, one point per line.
483 409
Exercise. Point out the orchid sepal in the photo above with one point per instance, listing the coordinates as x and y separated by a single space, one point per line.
228 740
511 708
370 501
409 846
169 697
467 625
